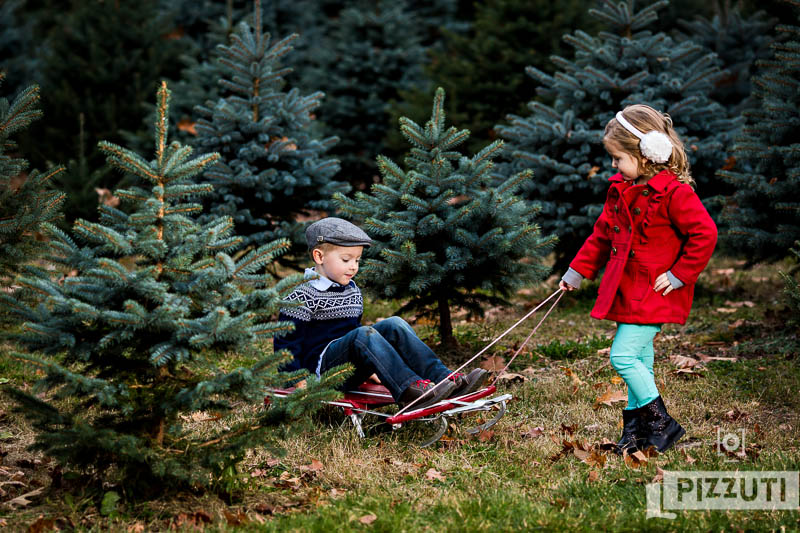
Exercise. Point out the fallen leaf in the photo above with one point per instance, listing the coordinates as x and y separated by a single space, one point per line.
433 474
688 458
659 475
726 310
607 445
635 459
493 363
486 435
594 475
746 303
735 414
196 519
592 427
596 459
616 380
511 378
315 466
367 519
337 493
533 433
569 429
235 519
682 361
23 501
609 398
42 524
576 381
136 527
604 351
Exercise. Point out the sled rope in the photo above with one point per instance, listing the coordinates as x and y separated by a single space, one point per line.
528 338
506 332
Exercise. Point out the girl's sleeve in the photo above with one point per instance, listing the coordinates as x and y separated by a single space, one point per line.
594 253
689 216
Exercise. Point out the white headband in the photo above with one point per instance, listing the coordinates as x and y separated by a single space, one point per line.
654 145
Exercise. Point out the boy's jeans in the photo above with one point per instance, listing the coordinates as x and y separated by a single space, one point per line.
390 349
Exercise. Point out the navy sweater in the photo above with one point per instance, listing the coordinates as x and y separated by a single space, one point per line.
327 312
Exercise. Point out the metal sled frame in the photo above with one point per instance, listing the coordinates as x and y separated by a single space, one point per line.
369 396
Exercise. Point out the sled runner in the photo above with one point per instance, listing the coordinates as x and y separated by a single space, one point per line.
437 417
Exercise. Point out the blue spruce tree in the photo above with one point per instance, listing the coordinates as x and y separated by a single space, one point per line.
27 201
273 170
442 236
130 345
561 139
761 219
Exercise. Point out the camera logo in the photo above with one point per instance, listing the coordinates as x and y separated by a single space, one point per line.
732 444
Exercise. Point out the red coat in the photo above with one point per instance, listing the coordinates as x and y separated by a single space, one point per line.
644 231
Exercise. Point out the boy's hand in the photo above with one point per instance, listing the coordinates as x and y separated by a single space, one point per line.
564 286
374 378
662 283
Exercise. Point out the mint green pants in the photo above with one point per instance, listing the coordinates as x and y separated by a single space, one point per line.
632 356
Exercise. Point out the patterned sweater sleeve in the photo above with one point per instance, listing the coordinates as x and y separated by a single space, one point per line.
300 316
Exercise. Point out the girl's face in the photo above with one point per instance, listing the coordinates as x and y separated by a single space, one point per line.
339 263
627 164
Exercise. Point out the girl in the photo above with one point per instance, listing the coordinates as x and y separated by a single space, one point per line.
654 237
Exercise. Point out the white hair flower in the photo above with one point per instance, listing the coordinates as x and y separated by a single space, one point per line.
656 147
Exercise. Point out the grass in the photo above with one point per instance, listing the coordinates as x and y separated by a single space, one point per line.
509 478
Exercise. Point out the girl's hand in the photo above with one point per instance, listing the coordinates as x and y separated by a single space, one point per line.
662 283
564 286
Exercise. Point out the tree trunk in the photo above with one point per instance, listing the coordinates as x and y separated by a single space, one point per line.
445 323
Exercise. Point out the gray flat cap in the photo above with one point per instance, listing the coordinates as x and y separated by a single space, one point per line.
336 231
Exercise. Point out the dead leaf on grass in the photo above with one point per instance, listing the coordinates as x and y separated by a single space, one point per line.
604 351
485 436
726 309
569 429
337 493
493 363
635 459
593 476
42 524
235 519
433 474
196 519
367 519
659 475
688 458
23 501
616 380
511 377
609 398
682 361
735 414
576 381
533 433
315 466
136 527
745 303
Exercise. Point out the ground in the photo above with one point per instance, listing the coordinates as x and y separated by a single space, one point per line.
731 370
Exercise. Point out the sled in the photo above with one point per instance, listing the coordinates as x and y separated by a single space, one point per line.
433 419
437 417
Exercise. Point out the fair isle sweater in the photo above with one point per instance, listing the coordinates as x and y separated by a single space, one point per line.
327 311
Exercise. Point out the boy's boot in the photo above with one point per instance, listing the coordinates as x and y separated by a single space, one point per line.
422 389
657 427
468 383
631 428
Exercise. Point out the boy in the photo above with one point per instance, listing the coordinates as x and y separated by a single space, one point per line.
328 330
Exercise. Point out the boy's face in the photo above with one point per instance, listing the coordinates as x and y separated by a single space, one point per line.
627 164
338 263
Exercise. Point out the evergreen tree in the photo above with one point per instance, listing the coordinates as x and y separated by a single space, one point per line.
132 342
374 52
273 171
442 237
627 64
26 200
483 68
100 60
738 40
18 58
761 219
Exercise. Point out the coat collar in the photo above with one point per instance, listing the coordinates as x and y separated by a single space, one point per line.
658 182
